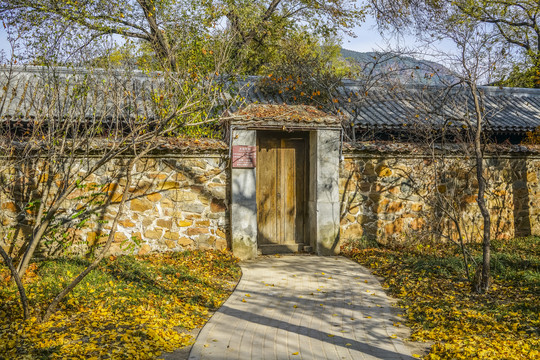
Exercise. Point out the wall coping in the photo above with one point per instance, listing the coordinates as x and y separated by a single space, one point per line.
405 149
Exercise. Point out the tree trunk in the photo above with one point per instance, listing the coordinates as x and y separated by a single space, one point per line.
482 282
17 279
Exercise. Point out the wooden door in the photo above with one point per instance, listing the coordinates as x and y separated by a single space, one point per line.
281 191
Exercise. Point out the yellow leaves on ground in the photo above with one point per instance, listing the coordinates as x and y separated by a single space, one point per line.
130 308
440 306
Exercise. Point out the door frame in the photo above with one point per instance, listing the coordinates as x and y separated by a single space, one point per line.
323 201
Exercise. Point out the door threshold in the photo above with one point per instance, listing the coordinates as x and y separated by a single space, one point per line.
280 249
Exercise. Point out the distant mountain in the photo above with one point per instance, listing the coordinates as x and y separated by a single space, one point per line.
401 68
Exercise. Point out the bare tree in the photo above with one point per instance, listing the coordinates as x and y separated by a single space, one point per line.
59 127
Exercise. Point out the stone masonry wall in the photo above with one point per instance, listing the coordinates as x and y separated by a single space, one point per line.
177 202
180 201
389 196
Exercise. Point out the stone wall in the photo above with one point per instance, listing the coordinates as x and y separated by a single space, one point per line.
180 200
177 202
390 195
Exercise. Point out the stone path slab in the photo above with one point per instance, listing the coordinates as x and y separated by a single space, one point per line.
302 307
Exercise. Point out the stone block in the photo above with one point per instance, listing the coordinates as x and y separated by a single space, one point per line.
369 169
154 197
216 216
394 227
157 176
192 163
208 239
204 200
171 235
111 187
220 233
191 207
145 249
200 179
93 238
185 195
141 205
185 241
165 223
140 188
383 171
202 223
170 244
365 186
119 237
166 203
220 244
197 231
203 246
394 206
184 223
126 223
153 234
168 185
179 177
218 191
351 232
217 206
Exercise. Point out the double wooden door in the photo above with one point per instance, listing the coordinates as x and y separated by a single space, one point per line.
282 191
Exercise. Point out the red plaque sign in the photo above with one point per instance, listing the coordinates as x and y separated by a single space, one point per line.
244 156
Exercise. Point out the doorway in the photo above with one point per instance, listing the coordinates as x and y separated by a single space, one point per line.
282 191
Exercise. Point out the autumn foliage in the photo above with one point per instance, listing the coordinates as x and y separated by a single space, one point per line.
440 307
129 308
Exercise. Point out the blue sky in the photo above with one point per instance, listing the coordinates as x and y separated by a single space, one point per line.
367 38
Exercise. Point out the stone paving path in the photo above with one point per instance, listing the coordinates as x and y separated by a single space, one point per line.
302 307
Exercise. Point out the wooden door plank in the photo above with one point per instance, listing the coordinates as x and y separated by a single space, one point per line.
267 182
288 191
301 190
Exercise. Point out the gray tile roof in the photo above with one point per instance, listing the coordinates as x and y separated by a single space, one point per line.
506 110
32 91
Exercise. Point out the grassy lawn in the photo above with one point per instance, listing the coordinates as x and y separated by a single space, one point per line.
430 282
130 307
